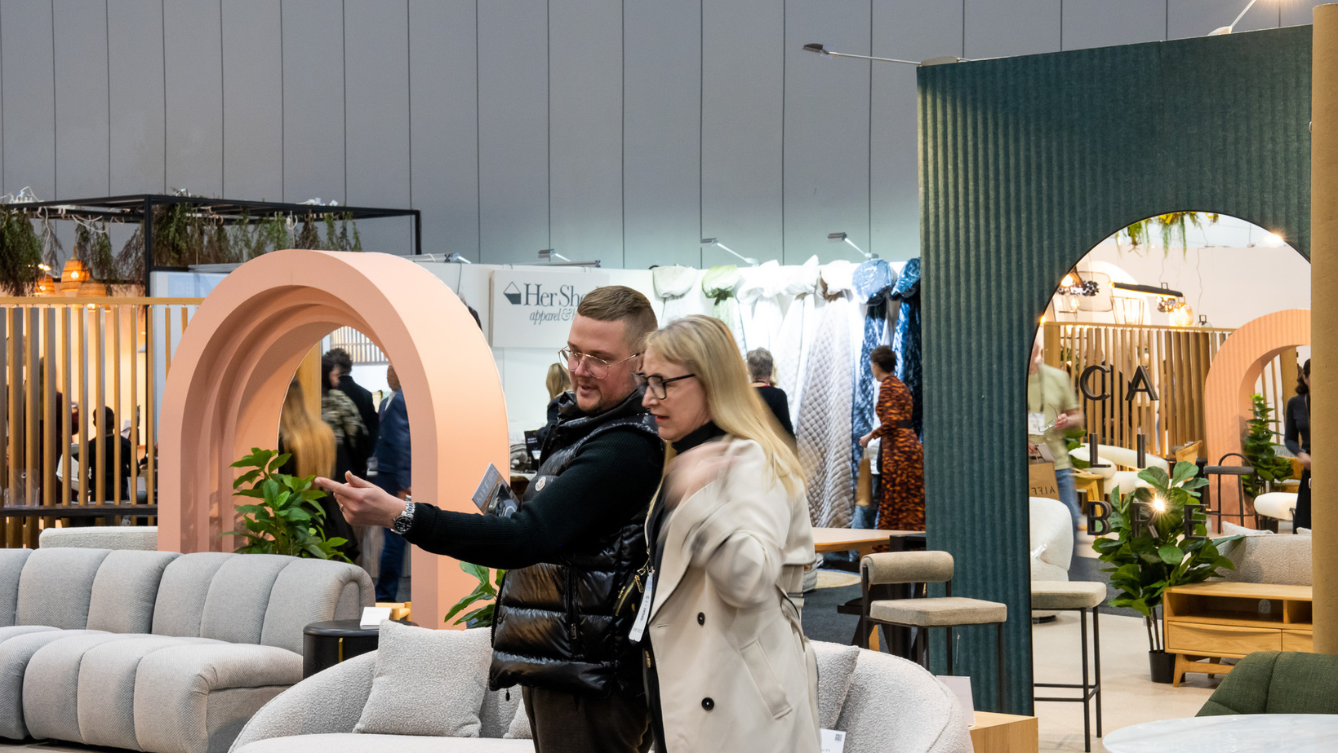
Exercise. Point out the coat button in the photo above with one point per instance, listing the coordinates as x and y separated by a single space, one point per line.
708 704
701 618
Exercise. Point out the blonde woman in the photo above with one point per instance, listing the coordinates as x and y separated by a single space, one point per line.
728 667
311 442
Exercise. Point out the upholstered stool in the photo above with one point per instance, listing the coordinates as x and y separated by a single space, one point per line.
1275 505
925 613
1079 596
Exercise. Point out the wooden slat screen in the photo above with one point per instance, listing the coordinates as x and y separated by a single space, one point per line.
66 362
1177 362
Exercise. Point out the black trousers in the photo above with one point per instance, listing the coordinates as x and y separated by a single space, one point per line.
568 723
1302 517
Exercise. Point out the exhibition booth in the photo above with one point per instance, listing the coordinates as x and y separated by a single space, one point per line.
1133 572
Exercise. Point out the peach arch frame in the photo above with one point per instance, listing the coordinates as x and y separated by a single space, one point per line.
1231 380
234 363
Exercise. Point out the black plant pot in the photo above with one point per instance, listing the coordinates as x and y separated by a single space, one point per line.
1162 665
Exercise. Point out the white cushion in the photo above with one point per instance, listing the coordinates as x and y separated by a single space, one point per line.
520 723
836 667
1123 456
427 682
350 743
1051 532
1277 505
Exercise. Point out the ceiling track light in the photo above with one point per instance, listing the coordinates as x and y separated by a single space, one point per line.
548 254
1221 30
845 238
821 49
714 242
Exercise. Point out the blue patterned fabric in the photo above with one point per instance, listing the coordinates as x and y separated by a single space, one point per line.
906 342
873 280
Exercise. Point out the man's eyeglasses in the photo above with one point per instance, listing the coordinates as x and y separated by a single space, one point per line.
595 367
655 384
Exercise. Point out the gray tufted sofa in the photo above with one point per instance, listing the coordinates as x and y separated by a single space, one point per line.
156 651
882 703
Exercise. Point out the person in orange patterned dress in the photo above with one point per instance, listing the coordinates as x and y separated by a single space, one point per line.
901 487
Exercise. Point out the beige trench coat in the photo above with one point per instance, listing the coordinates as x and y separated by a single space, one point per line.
735 671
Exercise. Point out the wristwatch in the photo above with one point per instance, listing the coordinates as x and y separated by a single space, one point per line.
404 520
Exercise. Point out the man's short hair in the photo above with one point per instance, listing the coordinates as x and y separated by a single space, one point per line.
618 303
341 358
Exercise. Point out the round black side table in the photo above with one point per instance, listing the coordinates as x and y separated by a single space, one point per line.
325 644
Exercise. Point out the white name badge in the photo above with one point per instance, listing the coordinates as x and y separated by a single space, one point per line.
1036 424
643 611
833 741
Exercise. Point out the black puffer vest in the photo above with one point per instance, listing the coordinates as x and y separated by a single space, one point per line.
555 626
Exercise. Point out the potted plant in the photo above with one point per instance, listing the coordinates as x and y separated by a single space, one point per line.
1259 451
287 518
1155 546
486 590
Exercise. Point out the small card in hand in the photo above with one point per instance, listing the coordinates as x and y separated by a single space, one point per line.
494 495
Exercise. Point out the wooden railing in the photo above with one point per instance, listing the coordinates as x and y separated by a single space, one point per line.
74 372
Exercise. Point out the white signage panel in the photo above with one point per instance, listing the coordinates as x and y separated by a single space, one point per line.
534 308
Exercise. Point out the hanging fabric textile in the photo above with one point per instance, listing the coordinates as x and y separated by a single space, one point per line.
906 341
873 281
823 428
718 284
672 285
790 346
759 305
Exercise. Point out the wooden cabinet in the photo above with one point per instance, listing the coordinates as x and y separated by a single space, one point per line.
1229 620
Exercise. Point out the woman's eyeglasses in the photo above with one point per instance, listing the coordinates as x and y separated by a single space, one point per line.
595 367
655 384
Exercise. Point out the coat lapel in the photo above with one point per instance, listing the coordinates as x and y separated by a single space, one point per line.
675 563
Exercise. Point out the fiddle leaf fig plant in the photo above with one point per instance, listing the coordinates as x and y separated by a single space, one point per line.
486 591
287 518
1155 548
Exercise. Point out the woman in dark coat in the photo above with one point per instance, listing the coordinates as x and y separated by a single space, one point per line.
1296 435
901 485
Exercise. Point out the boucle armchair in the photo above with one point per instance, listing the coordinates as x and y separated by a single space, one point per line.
882 703
156 651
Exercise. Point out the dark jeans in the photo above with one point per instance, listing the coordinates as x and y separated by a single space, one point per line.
563 722
392 567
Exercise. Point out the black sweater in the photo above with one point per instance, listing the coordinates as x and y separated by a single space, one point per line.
779 404
606 483
1296 425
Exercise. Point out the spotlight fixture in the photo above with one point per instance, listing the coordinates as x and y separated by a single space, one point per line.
713 242
821 49
844 238
458 259
1219 31
548 254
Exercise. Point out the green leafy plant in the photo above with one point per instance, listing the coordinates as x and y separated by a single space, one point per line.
1259 450
486 591
287 518
20 253
1169 225
1149 552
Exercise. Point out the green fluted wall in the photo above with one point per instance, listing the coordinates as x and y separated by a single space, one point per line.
1026 164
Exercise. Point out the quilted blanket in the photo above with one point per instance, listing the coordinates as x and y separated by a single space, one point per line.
823 429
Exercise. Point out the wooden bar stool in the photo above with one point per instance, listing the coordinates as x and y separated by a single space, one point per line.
946 612
1079 596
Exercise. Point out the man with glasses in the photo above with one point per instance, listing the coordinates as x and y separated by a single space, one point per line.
576 541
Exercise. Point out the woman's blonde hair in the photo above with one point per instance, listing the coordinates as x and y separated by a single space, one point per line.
558 380
706 348
306 436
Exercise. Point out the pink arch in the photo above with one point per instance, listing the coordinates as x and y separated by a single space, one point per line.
1231 381
234 363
